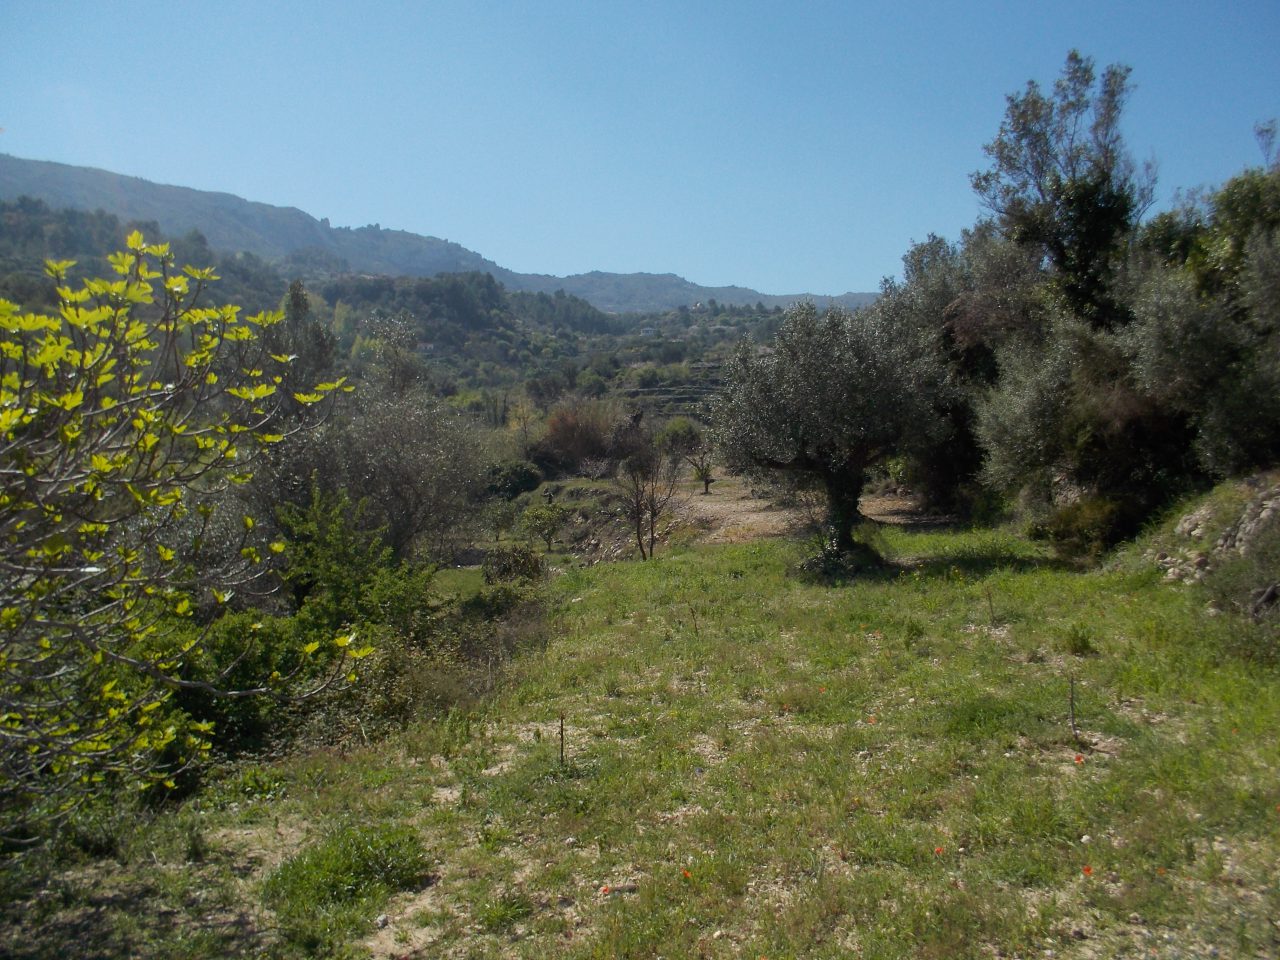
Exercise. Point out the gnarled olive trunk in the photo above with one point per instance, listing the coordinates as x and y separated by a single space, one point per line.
844 489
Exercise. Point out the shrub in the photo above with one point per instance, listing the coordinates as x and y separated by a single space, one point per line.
511 478
516 562
239 649
400 597
1084 529
399 684
543 520
574 433
832 564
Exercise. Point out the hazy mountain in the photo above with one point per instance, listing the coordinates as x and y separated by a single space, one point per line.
231 223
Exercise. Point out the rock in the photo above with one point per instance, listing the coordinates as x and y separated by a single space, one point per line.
381 921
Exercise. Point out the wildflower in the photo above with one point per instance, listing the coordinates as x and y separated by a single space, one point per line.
1079 758
871 719
937 851
822 689
1088 870
605 889
687 874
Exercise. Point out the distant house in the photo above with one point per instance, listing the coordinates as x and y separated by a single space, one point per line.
648 331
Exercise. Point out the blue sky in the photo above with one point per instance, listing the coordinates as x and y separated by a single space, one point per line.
790 147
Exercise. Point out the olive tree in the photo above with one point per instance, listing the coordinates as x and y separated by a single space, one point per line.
835 394
115 412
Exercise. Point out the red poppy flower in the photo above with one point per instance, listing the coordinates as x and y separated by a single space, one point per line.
1088 870
687 874
937 851
1079 758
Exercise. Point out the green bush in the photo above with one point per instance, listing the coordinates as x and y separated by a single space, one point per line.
542 520
399 683
238 651
511 478
400 597
1084 530
516 562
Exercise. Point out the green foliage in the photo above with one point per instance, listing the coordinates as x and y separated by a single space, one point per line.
237 652
511 478
1062 182
516 562
333 887
502 913
111 412
401 596
1084 529
330 559
836 394
831 564
1078 640
543 521
1157 368
680 436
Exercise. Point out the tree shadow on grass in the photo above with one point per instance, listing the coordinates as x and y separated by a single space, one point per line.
131 921
966 562
978 562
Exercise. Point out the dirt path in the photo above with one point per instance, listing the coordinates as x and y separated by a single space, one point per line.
731 514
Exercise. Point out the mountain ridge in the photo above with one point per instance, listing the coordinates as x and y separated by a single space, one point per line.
232 223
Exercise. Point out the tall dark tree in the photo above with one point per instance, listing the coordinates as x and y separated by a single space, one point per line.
1062 181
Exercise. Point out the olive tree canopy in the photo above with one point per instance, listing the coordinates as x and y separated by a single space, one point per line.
834 395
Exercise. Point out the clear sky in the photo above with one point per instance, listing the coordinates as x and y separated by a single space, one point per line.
789 147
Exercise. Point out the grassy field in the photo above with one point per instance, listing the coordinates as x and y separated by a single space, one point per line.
979 752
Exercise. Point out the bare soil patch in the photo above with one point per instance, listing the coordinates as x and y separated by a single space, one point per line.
732 513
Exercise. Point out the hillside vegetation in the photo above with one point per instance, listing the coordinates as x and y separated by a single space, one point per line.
289 235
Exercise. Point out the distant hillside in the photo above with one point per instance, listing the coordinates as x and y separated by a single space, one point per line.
231 223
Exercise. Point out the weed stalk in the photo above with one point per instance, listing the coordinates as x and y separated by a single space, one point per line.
1071 702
